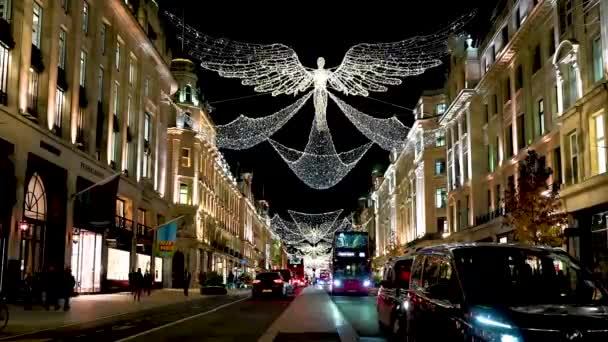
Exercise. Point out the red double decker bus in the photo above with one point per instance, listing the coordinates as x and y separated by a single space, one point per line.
351 263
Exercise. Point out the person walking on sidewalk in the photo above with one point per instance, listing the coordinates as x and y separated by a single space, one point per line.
230 280
148 283
52 288
138 282
186 283
68 284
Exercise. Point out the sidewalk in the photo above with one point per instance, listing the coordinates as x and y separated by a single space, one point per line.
86 308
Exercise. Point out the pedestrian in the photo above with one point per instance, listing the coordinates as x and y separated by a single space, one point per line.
52 288
148 283
132 282
186 283
230 280
28 289
138 281
68 288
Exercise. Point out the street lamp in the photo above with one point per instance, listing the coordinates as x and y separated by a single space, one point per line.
24 226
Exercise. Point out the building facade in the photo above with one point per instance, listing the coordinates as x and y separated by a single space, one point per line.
80 83
223 228
411 196
536 81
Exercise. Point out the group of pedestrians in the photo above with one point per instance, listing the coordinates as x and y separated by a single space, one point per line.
139 283
49 287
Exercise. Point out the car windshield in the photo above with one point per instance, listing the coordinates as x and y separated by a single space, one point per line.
519 276
347 268
286 274
267 276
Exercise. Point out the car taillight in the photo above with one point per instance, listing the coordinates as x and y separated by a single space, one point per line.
256 281
278 281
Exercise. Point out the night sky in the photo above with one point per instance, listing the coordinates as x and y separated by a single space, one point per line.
313 31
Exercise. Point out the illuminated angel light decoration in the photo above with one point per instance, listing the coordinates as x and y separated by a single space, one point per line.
320 166
245 132
276 68
315 227
390 134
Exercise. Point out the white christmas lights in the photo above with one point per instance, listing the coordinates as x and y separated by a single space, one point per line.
320 166
245 132
276 68
390 134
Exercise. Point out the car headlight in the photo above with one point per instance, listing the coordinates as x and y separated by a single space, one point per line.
492 327
367 283
337 283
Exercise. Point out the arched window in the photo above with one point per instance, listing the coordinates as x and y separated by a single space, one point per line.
188 92
35 199
569 83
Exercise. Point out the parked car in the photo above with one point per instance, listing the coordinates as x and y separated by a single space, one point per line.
392 293
506 293
269 283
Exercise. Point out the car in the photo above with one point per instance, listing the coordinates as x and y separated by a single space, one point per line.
269 283
392 293
288 278
324 278
504 293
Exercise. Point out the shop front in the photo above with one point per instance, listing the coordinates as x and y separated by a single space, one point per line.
119 242
42 243
86 260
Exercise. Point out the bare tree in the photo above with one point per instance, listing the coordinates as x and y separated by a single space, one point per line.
532 206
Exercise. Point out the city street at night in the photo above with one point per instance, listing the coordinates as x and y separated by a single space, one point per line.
310 315
188 170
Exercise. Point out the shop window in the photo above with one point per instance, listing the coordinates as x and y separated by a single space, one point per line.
185 157
35 199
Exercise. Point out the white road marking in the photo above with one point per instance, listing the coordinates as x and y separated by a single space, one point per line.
181 320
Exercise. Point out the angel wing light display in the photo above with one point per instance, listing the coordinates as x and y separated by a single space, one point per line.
277 70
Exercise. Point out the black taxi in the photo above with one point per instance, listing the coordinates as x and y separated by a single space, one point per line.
392 294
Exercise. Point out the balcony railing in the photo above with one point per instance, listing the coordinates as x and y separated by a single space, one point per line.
481 219
123 223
